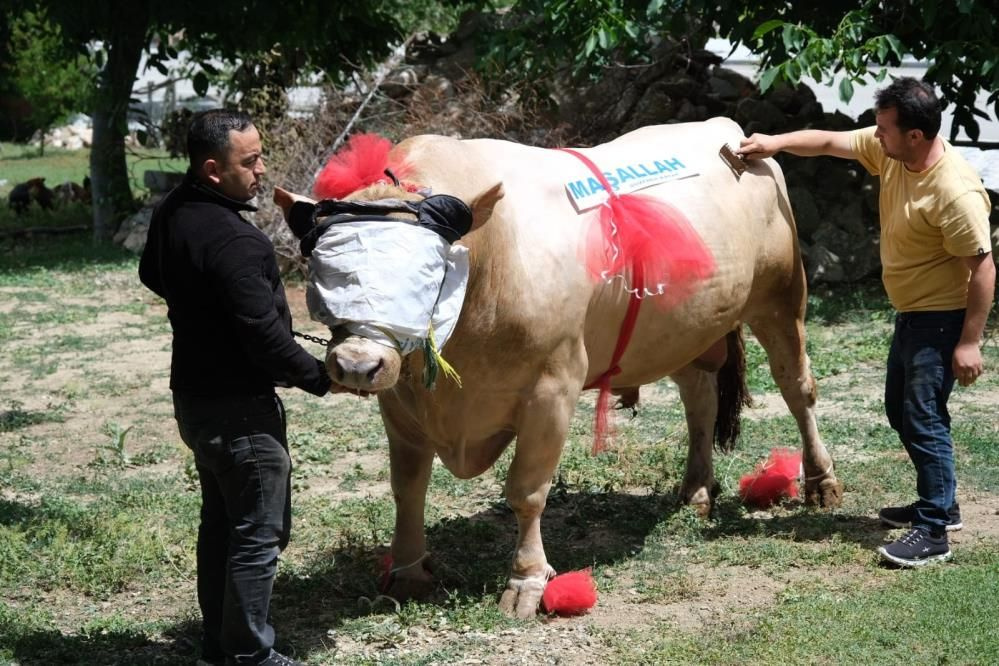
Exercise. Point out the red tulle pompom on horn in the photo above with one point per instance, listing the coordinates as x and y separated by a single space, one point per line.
772 480
571 593
362 162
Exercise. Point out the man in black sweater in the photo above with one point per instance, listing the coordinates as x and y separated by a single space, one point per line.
232 344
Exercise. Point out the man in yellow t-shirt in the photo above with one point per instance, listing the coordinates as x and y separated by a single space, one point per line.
938 271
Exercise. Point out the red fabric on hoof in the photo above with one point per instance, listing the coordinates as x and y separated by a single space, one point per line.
772 480
571 593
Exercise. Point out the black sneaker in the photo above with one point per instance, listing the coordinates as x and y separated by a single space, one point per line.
901 516
278 659
274 659
916 548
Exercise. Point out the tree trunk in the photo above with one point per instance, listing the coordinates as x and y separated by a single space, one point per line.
109 182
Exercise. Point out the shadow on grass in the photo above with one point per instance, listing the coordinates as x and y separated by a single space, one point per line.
471 557
798 524
105 647
71 252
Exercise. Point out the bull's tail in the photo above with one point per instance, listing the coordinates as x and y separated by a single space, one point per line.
733 394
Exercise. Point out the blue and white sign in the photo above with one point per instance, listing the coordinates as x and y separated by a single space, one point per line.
587 192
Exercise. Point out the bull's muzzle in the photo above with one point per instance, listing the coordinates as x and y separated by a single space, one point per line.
362 365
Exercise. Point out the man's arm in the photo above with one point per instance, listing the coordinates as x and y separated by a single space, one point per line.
967 363
806 143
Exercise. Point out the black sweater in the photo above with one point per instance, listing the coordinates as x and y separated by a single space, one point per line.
226 304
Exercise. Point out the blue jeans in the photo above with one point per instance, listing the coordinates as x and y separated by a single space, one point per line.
918 383
241 454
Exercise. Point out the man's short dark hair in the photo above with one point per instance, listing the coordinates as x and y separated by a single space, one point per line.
208 133
915 102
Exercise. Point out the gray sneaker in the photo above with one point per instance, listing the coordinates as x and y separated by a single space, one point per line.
901 516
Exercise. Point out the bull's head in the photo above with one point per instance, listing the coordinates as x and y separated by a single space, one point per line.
384 276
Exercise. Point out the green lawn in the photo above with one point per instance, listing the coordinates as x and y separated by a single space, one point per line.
20 162
99 503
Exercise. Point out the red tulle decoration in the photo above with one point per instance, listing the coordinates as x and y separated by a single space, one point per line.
385 579
648 241
362 162
775 479
571 593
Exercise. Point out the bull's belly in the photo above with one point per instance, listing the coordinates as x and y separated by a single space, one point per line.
662 341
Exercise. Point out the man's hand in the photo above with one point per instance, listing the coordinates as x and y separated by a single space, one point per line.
757 147
285 199
967 363
340 388
804 143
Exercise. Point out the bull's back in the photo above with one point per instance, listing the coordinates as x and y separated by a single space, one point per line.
745 222
530 291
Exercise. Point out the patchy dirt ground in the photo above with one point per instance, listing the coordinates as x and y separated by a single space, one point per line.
112 360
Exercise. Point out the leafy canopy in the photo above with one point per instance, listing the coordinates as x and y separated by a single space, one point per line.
856 38
959 40
54 82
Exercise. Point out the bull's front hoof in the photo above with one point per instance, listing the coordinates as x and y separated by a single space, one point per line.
700 499
827 493
411 589
522 595
413 582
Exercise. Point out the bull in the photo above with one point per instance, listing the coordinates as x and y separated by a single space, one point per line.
535 328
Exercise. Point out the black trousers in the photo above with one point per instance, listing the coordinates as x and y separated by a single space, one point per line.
241 453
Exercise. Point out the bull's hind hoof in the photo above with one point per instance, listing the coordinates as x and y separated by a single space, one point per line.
701 500
827 493
522 595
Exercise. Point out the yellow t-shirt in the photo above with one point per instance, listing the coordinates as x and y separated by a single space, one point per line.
929 221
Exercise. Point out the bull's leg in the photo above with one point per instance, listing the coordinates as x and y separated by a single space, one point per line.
699 393
782 334
541 433
411 461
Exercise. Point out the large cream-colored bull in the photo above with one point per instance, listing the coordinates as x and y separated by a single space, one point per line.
535 328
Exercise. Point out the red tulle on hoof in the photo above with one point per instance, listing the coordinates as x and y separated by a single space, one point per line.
772 480
571 593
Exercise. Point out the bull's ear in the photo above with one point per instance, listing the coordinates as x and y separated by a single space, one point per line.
482 205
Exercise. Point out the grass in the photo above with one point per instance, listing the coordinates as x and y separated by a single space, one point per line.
99 506
20 162
942 615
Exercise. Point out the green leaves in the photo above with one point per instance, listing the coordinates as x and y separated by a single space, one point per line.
959 41
767 27
200 82
56 80
846 89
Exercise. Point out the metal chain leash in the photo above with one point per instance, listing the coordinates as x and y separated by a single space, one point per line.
311 338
